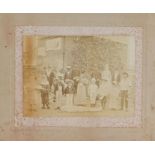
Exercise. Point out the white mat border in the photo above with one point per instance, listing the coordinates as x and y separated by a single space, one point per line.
20 120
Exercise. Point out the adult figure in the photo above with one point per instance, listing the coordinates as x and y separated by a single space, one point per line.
106 74
50 76
68 73
44 92
115 91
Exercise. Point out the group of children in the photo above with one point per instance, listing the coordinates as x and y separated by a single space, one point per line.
80 91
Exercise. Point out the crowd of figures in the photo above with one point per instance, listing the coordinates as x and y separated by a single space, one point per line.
82 88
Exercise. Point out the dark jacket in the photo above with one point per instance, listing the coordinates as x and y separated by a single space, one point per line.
69 90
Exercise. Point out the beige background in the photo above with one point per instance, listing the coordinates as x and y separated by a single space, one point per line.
7 63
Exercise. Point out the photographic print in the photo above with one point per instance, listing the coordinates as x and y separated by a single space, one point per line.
78 76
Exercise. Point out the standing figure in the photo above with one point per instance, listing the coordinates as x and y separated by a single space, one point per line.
81 93
124 88
114 103
68 74
50 76
76 81
96 74
59 95
75 71
85 78
106 74
93 89
45 93
116 77
55 88
69 91
75 76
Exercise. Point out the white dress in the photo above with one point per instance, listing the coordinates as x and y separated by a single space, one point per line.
81 94
93 89
59 96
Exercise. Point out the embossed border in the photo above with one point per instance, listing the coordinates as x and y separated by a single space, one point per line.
20 120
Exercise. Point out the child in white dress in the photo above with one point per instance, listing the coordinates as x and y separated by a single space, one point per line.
81 96
93 89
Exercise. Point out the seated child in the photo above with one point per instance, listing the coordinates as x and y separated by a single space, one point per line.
104 92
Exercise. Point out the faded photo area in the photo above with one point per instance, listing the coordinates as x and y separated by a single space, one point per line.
79 76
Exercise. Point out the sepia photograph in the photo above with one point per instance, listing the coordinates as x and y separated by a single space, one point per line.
79 75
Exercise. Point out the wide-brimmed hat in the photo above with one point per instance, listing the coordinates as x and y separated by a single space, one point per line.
76 78
68 67
68 81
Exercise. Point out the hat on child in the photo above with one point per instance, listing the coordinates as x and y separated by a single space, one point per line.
93 80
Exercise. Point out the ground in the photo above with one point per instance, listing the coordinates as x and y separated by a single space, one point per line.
35 110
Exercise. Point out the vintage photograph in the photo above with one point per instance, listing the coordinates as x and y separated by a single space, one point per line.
79 75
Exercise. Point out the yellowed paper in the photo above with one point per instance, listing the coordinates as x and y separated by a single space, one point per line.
13 126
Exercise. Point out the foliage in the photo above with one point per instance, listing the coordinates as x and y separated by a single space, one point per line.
90 52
